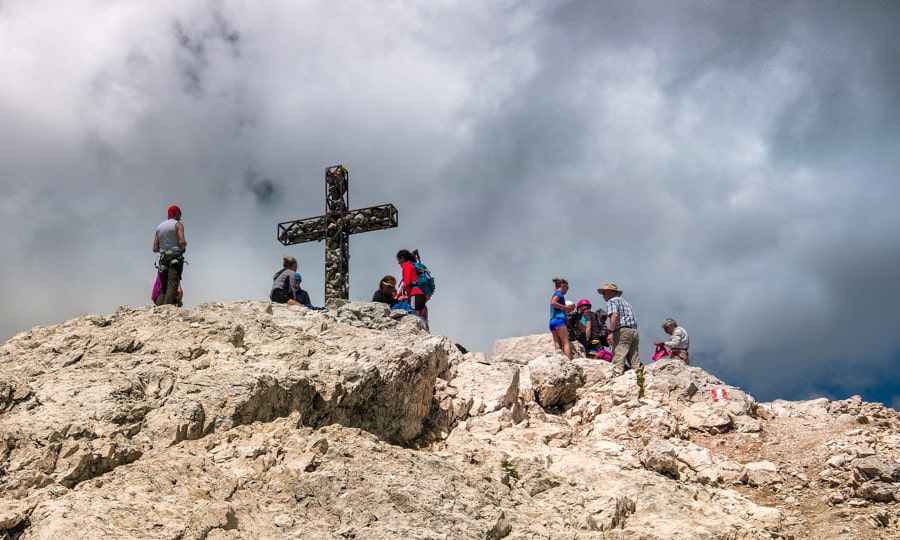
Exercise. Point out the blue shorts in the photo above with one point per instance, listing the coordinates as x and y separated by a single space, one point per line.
556 323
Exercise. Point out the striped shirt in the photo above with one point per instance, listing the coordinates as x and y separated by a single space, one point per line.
619 305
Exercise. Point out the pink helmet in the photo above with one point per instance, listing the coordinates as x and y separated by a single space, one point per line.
583 302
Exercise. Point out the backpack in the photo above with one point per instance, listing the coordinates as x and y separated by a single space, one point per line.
425 280
596 326
157 289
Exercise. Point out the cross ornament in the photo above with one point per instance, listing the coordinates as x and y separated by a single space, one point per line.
335 227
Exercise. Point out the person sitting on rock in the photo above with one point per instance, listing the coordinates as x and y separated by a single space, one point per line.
284 283
300 295
678 345
387 291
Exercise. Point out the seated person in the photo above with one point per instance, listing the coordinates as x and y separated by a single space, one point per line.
301 296
284 283
678 345
387 291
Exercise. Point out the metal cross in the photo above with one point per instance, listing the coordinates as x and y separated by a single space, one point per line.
335 227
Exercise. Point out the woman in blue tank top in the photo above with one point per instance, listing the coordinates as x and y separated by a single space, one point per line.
558 313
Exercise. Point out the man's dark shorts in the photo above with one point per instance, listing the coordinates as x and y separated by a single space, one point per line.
417 301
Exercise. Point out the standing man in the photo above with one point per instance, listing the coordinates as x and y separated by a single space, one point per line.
169 242
623 329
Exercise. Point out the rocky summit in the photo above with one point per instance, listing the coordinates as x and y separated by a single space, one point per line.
254 420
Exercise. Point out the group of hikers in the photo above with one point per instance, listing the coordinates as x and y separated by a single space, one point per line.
412 295
416 285
609 334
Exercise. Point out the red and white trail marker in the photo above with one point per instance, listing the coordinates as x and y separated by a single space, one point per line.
719 394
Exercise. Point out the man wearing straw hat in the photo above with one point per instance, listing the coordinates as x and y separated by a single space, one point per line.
623 331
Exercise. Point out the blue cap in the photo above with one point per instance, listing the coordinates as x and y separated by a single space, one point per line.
297 277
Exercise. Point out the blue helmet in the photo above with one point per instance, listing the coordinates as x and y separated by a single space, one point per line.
297 277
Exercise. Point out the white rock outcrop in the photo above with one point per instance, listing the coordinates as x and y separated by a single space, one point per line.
555 380
253 420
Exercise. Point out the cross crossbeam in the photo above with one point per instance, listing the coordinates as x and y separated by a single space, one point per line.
335 227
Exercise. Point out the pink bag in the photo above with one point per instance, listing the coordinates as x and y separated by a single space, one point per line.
603 354
157 286
661 352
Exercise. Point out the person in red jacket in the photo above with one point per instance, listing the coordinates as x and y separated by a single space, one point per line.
408 288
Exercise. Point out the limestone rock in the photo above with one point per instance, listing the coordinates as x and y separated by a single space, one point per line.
878 479
873 468
86 418
254 420
491 387
555 380
660 456
522 350
760 473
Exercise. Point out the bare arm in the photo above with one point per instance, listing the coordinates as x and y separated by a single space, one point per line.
182 243
155 242
613 322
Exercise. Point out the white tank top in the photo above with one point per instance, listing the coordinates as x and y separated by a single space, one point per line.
168 236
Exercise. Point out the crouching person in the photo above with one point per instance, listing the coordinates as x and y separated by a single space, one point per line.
679 343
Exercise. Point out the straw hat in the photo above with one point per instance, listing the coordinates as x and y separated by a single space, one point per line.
609 287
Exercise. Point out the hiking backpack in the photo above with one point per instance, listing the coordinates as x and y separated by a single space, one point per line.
596 326
425 280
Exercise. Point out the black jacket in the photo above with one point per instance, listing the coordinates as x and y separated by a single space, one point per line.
384 298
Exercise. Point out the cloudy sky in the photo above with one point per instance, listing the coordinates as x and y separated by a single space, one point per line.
732 165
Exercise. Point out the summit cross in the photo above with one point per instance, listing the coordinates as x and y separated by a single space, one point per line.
335 227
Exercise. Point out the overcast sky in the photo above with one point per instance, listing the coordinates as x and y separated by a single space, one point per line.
733 165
